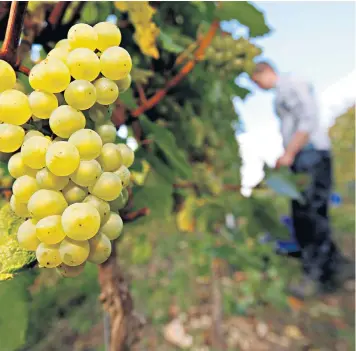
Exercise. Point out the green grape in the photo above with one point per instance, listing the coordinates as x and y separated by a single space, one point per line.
73 252
87 173
32 133
47 180
80 94
81 221
11 137
24 187
59 53
44 203
65 120
107 132
107 91
33 151
110 157
100 114
19 208
87 142
26 235
108 186
17 167
119 203
49 230
63 44
8 76
100 248
113 226
74 193
14 107
48 255
42 104
57 139
124 83
108 35
83 64
82 35
102 207
62 158
70 271
115 63
128 156
124 174
50 75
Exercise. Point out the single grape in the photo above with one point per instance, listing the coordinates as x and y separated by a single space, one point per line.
62 158
108 186
50 75
11 137
102 207
107 91
83 64
108 35
87 173
14 107
110 157
113 226
32 133
63 44
19 208
33 151
47 180
70 271
59 53
44 203
81 221
107 132
124 174
8 76
120 202
74 252
42 104
124 83
74 193
128 156
115 63
100 114
65 120
100 248
26 235
87 142
24 187
80 94
82 35
49 230
48 255
17 167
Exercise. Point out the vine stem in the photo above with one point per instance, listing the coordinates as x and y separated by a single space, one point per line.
160 94
8 51
57 14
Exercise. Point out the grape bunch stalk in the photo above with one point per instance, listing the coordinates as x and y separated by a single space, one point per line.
70 185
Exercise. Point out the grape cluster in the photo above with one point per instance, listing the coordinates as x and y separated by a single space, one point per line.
69 187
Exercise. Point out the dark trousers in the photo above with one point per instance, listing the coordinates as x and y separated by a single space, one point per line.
311 220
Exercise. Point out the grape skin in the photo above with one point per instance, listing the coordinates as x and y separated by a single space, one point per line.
87 173
108 186
82 35
102 207
14 107
26 235
70 271
113 226
8 76
99 114
24 187
49 230
119 203
124 174
47 180
42 104
11 137
83 64
87 142
107 91
17 167
32 133
110 157
100 248
124 83
108 35
80 94
33 151
19 208
115 63
128 156
74 193
107 132
73 252
48 255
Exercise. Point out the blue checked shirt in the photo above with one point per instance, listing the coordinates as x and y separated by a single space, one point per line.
296 106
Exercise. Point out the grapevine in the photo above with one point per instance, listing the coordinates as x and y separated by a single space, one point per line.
71 179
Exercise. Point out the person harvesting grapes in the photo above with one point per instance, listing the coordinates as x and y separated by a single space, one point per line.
307 150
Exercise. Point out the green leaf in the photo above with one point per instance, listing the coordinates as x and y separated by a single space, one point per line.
282 182
246 14
166 142
14 316
168 43
128 99
90 12
12 257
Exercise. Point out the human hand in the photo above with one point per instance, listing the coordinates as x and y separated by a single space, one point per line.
286 160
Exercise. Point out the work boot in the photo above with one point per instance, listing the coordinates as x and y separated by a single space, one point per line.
307 288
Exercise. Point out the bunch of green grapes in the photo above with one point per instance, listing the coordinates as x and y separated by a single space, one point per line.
230 56
69 187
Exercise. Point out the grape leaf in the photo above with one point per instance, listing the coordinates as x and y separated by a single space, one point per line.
168 43
12 257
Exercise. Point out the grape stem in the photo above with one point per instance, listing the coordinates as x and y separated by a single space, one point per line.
160 94
57 14
132 216
8 51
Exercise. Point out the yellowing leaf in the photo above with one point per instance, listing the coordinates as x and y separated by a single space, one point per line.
121 6
185 217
